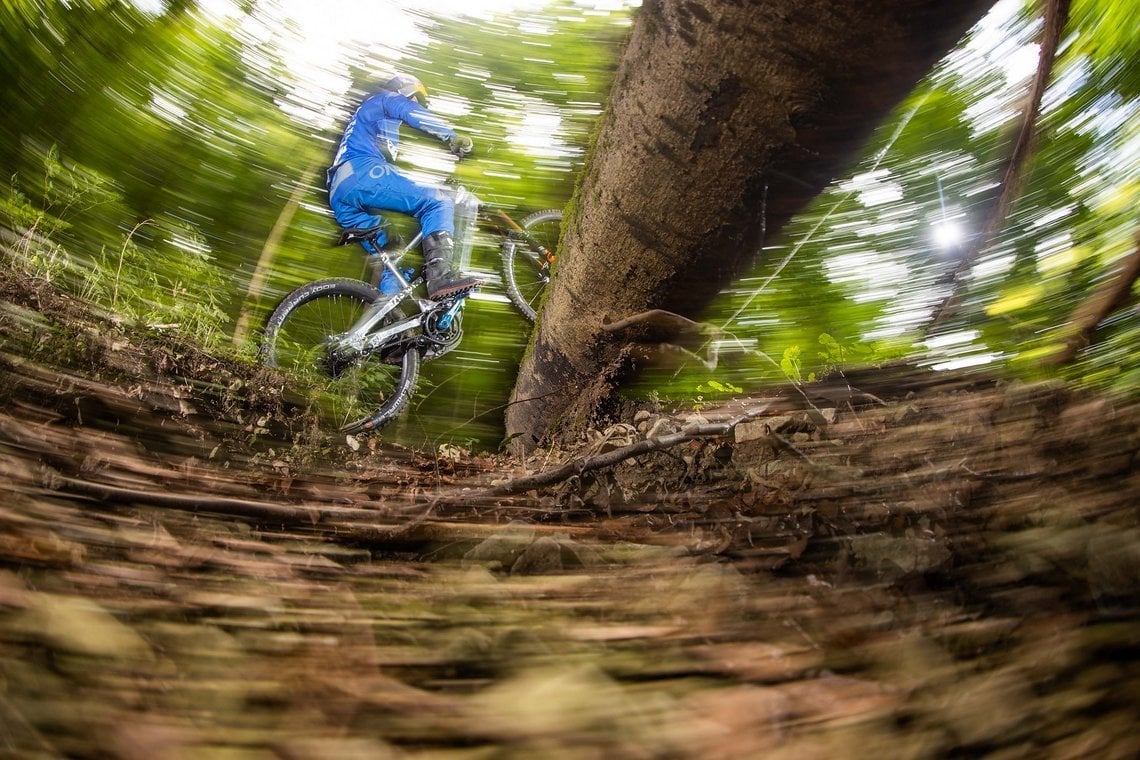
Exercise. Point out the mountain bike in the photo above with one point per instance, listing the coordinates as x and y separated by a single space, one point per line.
344 336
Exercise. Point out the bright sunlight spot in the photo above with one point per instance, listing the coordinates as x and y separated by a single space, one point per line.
948 234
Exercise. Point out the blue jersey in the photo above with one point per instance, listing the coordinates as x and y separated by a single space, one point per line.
374 131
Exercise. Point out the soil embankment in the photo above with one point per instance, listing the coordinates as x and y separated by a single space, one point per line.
888 566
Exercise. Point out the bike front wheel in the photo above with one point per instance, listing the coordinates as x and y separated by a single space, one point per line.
360 393
526 266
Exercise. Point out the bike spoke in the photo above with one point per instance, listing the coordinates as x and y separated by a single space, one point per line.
346 388
527 268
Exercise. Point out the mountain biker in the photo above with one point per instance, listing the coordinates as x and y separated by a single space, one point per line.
363 180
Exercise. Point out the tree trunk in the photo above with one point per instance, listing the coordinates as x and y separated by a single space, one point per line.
1112 294
1009 174
724 120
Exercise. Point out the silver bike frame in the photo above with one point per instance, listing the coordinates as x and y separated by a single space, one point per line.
360 338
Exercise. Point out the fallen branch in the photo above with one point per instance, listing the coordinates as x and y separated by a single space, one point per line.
361 524
668 324
342 525
610 458
660 333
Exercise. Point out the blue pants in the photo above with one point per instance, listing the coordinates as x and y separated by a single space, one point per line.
359 189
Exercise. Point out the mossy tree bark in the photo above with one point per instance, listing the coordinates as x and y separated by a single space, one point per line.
724 120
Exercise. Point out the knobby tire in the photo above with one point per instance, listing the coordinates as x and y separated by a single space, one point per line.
293 343
524 281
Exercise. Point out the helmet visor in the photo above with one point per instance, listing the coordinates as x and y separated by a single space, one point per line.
409 87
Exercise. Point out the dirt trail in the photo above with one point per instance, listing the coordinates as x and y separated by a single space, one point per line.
890 567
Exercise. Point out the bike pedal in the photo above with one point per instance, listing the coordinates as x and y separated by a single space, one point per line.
455 295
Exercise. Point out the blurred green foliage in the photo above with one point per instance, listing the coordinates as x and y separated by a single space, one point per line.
152 159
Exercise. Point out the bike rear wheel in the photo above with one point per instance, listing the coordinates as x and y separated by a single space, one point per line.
360 394
526 272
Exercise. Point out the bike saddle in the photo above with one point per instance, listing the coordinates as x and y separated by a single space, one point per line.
357 234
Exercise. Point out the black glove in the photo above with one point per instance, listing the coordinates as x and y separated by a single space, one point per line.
460 145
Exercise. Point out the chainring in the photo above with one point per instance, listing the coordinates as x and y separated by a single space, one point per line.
441 339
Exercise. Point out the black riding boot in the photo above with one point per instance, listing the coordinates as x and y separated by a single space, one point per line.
442 279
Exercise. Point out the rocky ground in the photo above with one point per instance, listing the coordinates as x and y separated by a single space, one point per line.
891 565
